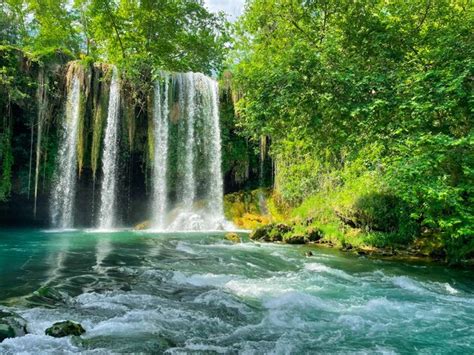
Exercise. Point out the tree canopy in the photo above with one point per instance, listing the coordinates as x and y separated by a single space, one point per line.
173 34
379 92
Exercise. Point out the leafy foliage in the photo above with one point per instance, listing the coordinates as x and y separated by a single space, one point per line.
369 90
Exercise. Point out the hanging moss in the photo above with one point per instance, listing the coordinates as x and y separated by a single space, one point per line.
100 102
150 135
84 76
42 99
129 115
6 160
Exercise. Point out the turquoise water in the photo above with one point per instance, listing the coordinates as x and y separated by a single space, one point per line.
199 293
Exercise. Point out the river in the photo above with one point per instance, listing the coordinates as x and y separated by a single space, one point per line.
197 292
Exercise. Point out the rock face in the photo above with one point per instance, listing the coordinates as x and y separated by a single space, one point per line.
246 210
64 329
11 325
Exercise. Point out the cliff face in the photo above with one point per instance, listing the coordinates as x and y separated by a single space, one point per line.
33 106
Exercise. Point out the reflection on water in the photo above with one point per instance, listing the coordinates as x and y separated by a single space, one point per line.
197 292
56 260
103 249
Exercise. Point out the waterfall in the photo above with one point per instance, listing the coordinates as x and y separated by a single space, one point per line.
196 142
189 182
64 186
160 166
109 158
216 188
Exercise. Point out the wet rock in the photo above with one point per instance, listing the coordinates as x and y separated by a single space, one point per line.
272 232
142 226
277 232
233 237
11 325
46 296
347 246
309 253
261 233
361 252
64 329
295 239
314 234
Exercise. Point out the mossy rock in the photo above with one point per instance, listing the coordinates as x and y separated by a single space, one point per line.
251 221
64 329
271 232
142 226
46 296
233 237
278 232
11 325
259 233
295 239
314 234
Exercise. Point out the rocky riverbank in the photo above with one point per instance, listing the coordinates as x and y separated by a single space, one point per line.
306 233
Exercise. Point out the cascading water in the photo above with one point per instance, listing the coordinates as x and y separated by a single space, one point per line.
109 158
197 183
189 182
160 167
216 188
64 190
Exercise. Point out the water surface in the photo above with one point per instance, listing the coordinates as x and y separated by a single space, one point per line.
152 292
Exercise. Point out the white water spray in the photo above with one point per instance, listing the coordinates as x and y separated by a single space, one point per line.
64 186
107 216
199 190
160 167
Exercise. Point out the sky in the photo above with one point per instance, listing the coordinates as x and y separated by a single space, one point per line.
233 8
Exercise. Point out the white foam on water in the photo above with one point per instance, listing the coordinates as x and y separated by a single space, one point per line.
450 289
38 344
321 268
199 347
408 284
132 322
185 247
94 301
352 321
112 299
295 299
200 280
105 230
59 230
256 289
220 298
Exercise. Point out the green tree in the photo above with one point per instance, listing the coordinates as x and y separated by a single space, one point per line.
326 79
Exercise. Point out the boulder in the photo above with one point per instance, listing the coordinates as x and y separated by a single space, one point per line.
142 226
314 234
64 329
11 325
233 237
260 233
271 232
295 239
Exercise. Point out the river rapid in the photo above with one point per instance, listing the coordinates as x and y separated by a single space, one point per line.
197 292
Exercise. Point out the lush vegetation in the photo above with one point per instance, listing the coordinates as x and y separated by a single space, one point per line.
370 107
139 37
